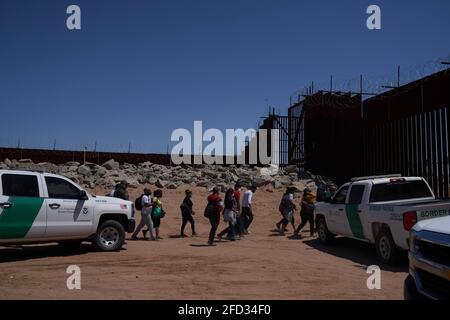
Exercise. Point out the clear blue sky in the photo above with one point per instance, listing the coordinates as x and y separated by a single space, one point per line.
139 69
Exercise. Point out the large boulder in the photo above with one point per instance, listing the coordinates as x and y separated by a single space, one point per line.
100 171
271 170
160 183
173 185
262 180
72 164
25 161
291 169
210 173
7 162
84 170
48 167
111 165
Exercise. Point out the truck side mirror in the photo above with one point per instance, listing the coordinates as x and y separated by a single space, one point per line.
83 195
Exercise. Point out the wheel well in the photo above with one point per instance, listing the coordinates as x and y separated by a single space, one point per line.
122 219
319 216
377 227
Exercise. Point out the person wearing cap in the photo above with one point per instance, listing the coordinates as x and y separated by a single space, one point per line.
307 212
146 219
121 191
187 214
247 212
213 210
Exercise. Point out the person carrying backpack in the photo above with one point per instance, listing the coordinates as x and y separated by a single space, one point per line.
144 204
187 214
287 208
157 212
307 212
212 212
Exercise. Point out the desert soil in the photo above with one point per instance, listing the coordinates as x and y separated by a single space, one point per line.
264 265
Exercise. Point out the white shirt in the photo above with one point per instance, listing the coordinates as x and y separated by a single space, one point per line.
145 201
247 200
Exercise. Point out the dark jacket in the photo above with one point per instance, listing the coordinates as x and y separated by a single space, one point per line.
230 203
120 193
307 208
186 206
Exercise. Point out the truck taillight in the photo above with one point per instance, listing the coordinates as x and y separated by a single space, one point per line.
409 220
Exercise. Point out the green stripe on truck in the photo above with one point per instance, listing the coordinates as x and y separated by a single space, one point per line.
16 221
354 220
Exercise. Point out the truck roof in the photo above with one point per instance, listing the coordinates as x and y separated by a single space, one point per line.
384 178
22 171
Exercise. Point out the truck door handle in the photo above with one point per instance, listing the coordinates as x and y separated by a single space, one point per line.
6 205
341 209
54 205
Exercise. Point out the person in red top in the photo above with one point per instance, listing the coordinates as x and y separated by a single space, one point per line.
215 201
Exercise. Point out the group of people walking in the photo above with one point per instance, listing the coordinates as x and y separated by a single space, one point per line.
287 209
238 215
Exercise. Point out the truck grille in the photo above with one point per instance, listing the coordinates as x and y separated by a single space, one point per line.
434 252
437 286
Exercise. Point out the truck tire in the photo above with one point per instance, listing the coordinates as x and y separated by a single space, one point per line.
387 250
110 236
325 236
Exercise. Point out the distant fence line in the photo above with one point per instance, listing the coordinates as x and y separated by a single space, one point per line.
62 156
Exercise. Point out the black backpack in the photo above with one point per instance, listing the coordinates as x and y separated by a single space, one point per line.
138 203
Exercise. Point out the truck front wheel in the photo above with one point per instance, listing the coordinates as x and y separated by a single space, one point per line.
386 248
325 236
110 236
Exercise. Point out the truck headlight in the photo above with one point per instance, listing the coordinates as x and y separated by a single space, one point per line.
413 246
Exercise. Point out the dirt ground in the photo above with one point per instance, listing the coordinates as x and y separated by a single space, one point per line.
264 265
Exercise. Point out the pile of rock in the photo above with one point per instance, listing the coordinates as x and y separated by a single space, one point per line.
111 172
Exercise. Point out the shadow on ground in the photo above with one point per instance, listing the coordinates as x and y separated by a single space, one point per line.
30 252
361 253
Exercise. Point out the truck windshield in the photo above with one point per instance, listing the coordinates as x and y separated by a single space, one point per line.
399 191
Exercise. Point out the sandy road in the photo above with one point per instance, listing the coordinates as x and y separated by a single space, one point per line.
262 266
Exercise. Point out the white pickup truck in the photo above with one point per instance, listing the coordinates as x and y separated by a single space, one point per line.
429 261
380 210
37 207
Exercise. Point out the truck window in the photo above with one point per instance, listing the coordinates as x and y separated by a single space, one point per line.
356 194
61 189
340 196
399 191
20 185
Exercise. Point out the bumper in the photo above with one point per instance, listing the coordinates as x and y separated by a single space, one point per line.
410 291
131 225
428 268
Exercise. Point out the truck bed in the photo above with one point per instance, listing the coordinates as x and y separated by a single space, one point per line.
404 203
